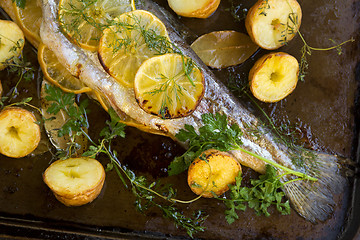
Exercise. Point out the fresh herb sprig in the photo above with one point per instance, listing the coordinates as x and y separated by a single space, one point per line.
283 134
159 44
237 11
292 27
147 194
216 133
20 3
18 65
263 193
77 119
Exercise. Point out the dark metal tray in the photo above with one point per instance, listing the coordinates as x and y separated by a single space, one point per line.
325 108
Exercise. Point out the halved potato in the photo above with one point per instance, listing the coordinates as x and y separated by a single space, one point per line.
75 181
195 9
11 41
273 23
274 76
19 134
212 172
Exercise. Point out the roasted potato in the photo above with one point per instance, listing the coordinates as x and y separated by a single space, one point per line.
19 134
274 76
75 181
212 172
194 9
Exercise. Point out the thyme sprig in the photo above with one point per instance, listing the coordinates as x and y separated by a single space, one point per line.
292 27
18 65
148 194
237 11
264 192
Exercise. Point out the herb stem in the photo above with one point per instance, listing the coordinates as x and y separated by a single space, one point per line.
288 170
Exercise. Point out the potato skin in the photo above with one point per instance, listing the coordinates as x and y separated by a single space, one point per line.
224 169
86 191
208 8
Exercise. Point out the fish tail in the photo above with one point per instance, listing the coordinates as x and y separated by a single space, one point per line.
314 200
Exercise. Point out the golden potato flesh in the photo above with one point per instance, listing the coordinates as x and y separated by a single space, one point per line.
274 76
212 172
19 134
273 23
195 9
75 181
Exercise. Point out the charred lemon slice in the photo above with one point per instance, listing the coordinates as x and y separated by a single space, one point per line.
57 74
29 19
133 38
169 86
84 21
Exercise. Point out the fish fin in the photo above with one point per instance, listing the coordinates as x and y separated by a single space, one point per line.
315 200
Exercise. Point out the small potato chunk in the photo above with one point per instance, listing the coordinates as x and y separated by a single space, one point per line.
75 181
19 134
273 23
274 76
212 172
11 41
195 9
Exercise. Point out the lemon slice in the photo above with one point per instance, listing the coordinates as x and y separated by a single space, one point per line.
29 19
163 88
57 74
84 21
134 37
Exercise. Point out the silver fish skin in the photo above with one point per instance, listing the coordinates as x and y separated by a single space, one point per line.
312 200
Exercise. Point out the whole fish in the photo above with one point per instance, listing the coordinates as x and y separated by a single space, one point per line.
312 200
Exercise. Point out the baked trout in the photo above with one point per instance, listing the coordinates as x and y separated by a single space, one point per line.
311 199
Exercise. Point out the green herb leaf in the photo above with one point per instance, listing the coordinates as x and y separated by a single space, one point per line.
214 134
20 3
264 192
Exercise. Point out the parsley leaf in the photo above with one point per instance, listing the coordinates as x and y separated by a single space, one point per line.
265 191
20 3
66 102
214 134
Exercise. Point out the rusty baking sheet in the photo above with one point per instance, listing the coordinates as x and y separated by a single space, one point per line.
325 108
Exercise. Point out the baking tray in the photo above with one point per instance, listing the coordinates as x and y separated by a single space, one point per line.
325 108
